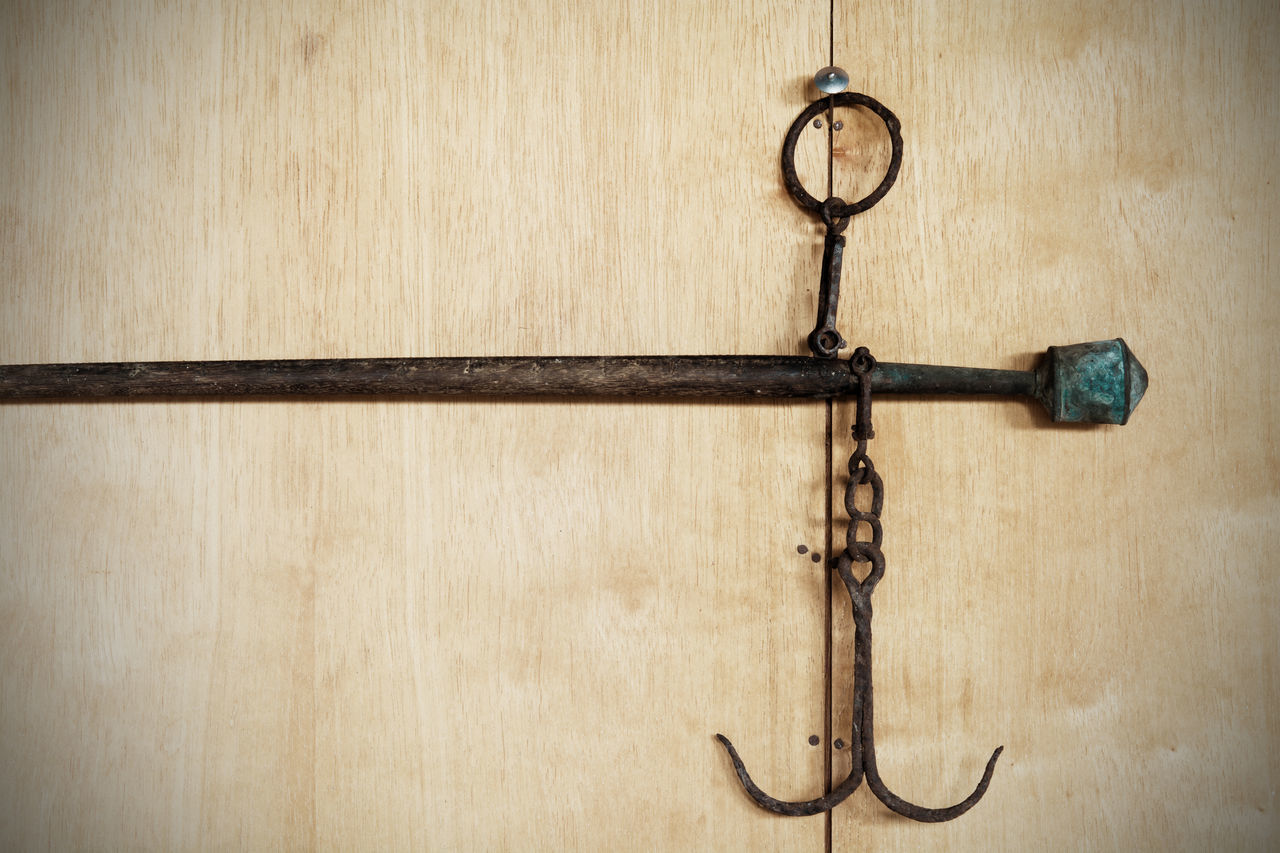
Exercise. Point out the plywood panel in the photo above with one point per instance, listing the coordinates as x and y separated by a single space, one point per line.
402 625
1099 600
407 625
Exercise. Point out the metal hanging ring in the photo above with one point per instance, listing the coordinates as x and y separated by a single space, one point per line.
817 108
835 224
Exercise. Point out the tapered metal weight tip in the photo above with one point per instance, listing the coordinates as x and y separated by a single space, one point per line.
1099 382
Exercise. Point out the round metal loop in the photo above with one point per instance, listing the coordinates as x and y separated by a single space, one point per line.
859 548
862 361
835 224
867 553
817 108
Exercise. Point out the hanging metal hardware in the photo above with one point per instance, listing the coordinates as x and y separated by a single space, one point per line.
862 745
1098 382
825 341
1077 375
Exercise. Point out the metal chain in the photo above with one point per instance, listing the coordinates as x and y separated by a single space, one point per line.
862 472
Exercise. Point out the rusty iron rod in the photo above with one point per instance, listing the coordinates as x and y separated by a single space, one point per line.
596 376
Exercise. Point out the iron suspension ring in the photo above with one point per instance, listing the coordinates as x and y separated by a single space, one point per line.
817 108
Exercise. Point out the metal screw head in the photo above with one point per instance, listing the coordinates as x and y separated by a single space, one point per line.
837 125
831 79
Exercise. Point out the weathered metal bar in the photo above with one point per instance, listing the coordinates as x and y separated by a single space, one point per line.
598 376
890 378
623 376
514 376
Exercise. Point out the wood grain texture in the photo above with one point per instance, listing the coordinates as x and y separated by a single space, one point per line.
397 625
382 625
1100 600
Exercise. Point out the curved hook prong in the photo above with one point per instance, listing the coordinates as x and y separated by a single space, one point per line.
862 673
920 813
803 808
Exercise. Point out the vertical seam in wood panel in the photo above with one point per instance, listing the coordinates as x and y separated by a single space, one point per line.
827 661
828 706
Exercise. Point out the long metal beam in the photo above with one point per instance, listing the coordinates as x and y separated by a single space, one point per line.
758 376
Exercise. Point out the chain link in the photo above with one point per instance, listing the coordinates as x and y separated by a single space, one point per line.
862 472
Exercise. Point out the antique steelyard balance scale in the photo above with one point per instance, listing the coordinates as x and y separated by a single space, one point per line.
1098 382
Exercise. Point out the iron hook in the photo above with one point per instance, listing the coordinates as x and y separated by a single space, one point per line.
802 808
862 742
862 472
860 596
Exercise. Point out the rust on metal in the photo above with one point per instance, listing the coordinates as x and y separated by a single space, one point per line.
1097 382
506 376
860 550
844 99
1060 384
825 340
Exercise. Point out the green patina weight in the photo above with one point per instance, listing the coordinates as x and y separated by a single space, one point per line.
1100 382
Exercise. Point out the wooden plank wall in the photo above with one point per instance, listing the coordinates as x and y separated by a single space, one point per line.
443 625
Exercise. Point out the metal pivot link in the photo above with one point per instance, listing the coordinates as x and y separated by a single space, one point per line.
862 473
825 341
